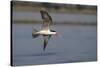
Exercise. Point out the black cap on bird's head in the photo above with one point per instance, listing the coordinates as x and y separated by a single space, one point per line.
55 32
52 31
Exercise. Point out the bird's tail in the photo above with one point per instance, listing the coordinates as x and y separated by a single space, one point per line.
34 33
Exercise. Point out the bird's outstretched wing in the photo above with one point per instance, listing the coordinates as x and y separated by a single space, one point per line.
46 38
47 20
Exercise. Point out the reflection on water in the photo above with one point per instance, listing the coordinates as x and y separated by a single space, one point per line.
38 54
76 43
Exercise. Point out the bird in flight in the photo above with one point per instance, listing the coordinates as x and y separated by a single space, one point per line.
45 31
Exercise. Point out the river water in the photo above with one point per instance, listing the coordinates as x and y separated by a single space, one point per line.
56 17
75 43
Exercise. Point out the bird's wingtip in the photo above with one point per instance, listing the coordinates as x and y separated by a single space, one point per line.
44 49
43 9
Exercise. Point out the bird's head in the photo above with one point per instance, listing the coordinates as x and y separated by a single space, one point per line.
56 33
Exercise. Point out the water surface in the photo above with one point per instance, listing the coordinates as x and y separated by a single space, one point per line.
75 43
57 17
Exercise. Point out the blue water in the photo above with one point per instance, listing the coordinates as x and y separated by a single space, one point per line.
75 43
56 17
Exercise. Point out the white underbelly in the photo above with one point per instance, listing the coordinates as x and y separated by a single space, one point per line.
45 32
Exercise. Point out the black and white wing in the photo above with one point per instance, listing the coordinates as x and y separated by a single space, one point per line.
47 20
46 38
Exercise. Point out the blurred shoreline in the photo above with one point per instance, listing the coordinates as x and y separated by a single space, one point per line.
53 7
28 13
